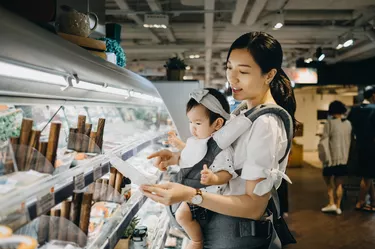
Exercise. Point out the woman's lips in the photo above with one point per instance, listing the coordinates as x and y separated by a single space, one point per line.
236 90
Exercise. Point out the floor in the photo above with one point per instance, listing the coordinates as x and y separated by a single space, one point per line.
315 230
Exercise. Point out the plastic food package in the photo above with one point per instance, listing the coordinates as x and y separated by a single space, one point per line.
10 123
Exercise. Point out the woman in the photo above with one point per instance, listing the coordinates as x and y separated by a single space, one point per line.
334 152
255 75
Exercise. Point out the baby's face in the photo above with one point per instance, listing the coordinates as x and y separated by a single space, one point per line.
200 123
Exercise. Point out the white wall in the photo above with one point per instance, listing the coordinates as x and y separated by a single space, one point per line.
175 95
308 103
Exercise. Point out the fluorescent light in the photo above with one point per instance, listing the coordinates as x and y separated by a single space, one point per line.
139 95
308 60
98 88
146 25
321 57
20 72
194 56
163 26
339 46
278 25
348 43
118 91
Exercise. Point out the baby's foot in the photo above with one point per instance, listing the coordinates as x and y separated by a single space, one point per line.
195 245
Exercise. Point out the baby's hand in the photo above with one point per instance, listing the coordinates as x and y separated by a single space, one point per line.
175 141
207 176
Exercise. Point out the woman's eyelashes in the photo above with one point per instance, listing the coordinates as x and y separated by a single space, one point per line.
230 68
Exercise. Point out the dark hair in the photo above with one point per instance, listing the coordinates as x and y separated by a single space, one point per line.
368 92
268 54
212 116
336 107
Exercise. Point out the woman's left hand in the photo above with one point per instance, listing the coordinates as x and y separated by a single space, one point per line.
168 193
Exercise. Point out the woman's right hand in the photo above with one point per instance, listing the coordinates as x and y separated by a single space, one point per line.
164 158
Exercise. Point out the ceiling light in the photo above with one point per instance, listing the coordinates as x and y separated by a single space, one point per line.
188 68
308 60
279 21
339 46
188 77
348 43
156 20
26 73
278 25
146 25
194 56
319 54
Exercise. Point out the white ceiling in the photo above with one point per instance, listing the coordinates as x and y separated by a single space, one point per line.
207 28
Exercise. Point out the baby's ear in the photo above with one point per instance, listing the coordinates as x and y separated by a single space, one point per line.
219 123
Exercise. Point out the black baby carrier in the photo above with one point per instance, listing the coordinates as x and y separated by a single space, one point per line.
191 176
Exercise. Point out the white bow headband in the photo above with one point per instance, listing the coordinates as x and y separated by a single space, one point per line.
203 97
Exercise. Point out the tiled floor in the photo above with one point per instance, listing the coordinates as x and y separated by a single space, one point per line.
315 230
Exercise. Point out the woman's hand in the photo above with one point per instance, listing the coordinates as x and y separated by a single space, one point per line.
164 158
168 193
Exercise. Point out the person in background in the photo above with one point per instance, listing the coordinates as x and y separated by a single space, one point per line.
362 118
334 148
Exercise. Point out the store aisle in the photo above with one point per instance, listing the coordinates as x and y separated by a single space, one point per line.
315 230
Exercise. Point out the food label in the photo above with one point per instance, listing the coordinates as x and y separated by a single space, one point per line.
45 202
97 172
79 181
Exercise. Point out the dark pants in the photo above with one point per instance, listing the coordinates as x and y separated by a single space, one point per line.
282 191
222 232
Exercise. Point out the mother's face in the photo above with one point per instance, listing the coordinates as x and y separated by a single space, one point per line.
245 76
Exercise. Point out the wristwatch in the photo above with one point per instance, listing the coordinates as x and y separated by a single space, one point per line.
197 198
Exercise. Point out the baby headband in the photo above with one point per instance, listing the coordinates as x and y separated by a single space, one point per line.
203 97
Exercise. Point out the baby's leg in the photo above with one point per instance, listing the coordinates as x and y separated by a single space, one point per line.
191 227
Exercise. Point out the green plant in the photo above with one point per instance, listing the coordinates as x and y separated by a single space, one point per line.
130 229
175 63
114 47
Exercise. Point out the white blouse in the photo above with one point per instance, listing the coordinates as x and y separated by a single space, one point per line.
257 152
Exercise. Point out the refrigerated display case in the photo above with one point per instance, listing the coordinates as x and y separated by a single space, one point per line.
49 82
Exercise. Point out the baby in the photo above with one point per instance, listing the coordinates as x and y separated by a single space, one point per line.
207 110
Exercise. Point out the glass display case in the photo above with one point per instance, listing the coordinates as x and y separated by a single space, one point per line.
75 132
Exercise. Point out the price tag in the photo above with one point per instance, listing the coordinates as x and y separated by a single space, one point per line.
97 171
45 202
79 181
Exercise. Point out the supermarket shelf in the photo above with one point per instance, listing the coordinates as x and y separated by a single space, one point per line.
63 183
